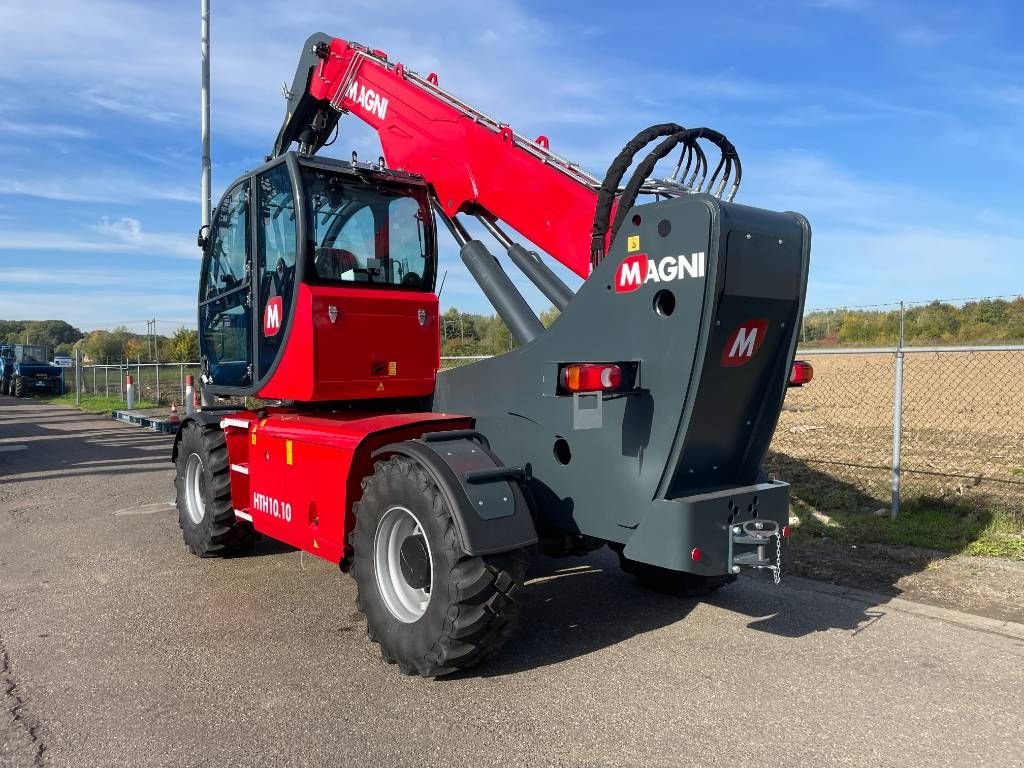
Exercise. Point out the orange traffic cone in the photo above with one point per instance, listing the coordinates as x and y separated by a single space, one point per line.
174 411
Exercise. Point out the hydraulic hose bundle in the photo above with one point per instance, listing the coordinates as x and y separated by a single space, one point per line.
690 175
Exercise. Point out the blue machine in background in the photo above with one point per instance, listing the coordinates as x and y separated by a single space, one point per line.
26 368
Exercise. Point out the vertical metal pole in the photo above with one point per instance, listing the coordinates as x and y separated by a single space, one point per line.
204 109
204 119
106 381
897 424
158 383
120 380
94 379
181 381
78 377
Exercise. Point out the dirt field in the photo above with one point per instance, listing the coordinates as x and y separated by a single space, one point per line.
963 427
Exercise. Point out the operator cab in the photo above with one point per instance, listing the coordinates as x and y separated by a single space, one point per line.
317 284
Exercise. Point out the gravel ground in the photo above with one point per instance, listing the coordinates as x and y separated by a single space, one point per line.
119 648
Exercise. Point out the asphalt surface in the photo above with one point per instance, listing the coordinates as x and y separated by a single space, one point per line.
120 648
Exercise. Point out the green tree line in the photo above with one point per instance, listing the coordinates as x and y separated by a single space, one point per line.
102 346
466 333
989 321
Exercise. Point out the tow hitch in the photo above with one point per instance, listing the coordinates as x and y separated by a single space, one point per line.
750 546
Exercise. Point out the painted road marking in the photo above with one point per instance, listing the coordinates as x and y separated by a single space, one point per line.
145 509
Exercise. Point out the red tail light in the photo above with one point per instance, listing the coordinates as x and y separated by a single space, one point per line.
591 377
801 373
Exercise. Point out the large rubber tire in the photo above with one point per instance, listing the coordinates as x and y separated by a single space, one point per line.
216 532
18 386
474 602
672 582
5 385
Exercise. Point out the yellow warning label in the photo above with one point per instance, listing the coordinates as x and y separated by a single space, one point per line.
633 243
393 368
316 544
254 437
380 387
288 452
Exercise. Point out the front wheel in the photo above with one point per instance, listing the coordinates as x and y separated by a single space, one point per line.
18 386
432 608
202 487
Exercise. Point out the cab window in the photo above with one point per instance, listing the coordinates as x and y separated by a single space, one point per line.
366 234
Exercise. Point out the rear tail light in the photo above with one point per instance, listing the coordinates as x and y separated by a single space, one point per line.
801 373
591 377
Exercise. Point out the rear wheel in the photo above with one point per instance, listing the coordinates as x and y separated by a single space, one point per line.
432 608
18 386
202 487
672 582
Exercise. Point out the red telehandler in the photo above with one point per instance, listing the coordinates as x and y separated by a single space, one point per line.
639 420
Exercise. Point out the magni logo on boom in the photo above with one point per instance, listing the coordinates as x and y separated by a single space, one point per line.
368 99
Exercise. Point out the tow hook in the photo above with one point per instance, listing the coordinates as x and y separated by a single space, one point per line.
749 546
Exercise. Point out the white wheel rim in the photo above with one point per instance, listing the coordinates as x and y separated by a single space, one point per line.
194 489
405 602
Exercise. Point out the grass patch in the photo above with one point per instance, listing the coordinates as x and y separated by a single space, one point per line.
926 523
93 403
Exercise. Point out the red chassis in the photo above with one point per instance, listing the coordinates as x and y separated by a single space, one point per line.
307 454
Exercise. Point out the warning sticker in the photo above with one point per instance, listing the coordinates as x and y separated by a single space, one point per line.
632 243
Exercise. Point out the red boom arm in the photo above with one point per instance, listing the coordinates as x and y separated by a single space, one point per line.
472 161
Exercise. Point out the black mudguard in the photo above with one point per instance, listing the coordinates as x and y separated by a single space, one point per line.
490 510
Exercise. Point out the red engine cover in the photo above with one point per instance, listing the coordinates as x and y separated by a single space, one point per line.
358 343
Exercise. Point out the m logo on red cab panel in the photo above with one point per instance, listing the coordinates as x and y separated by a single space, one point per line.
272 316
744 342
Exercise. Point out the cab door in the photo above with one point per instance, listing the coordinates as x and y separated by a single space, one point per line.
225 294
276 247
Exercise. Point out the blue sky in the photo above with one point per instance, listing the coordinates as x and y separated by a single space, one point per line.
895 127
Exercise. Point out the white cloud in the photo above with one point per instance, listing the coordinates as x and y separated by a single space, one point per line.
41 130
121 236
94 188
97 276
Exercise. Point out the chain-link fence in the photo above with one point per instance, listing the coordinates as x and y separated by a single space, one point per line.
959 432
454 361
158 383
875 426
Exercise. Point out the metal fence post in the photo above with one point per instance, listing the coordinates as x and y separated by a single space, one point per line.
181 381
106 381
897 424
157 366
78 377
